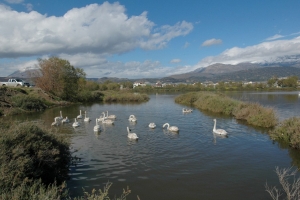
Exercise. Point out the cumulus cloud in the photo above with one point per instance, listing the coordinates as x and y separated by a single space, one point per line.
272 51
102 29
175 61
211 42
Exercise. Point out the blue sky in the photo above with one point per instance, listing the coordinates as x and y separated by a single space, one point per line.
147 39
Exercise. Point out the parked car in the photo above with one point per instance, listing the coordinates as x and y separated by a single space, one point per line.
15 82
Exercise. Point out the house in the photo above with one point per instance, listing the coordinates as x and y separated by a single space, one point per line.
138 83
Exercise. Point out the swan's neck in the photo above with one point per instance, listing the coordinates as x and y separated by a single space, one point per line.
128 130
215 125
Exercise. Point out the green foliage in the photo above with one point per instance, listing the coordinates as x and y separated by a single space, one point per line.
35 190
28 151
59 78
255 114
288 131
88 96
27 102
188 98
124 96
103 194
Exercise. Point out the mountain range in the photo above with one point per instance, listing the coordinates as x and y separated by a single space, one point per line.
215 73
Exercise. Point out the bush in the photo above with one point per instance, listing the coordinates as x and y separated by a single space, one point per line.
255 114
28 151
288 131
35 190
28 102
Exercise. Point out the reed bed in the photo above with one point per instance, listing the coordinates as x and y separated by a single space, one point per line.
113 96
253 113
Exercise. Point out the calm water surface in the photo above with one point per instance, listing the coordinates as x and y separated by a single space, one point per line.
191 164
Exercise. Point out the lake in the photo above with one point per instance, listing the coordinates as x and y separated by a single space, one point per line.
191 164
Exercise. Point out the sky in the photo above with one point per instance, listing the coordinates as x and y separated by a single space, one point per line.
147 38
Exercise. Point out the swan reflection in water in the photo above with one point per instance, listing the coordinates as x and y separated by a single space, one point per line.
218 136
170 134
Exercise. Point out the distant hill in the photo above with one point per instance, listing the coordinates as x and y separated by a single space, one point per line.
240 72
257 74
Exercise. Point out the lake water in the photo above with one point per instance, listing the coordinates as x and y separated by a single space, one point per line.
191 164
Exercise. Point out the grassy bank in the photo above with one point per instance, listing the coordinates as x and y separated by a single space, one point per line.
252 113
19 100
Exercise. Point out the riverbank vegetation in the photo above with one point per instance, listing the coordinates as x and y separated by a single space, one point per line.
288 131
253 113
124 96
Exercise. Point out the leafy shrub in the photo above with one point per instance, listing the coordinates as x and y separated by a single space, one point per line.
288 131
35 190
28 151
256 115
88 96
28 102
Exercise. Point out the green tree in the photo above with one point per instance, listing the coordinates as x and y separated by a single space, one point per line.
271 82
59 77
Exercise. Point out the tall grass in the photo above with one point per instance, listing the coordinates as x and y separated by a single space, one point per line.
124 96
253 113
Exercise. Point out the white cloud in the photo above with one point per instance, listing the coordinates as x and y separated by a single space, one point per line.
264 52
175 61
274 37
211 42
101 29
29 6
186 45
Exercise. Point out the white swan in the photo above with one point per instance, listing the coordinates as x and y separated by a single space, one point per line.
107 121
218 131
75 123
132 118
65 120
101 117
79 116
86 119
110 116
97 126
152 125
56 122
131 135
59 118
171 128
186 110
